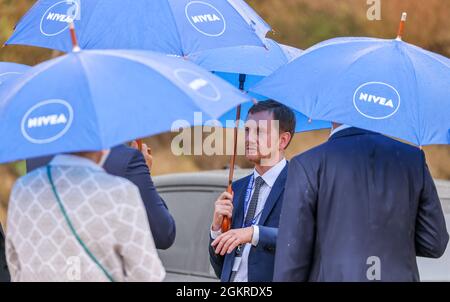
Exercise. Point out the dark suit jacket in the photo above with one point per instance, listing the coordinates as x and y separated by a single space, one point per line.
359 195
4 274
129 163
262 257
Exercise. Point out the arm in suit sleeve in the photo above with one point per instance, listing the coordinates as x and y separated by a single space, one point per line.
267 236
295 244
431 232
216 260
161 221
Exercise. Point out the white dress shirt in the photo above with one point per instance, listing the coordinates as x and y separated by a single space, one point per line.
338 129
269 180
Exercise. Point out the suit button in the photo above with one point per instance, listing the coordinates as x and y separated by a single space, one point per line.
270 249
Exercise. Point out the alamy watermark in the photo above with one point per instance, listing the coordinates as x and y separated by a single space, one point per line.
374 10
261 138
374 271
73 272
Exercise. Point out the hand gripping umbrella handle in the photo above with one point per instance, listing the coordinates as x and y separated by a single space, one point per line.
139 143
226 223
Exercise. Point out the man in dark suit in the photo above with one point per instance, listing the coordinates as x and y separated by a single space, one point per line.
135 166
247 251
360 207
4 274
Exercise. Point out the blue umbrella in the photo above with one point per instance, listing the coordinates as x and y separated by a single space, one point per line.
304 123
178 27
93 100
11 71
245 66
245 59
387 86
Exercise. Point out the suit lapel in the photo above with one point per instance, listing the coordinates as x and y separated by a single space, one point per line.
236 223
238 215
275 193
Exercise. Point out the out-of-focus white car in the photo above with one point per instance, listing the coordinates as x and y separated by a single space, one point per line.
190 198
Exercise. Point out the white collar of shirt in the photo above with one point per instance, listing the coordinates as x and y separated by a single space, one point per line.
73 160
271 175
338 129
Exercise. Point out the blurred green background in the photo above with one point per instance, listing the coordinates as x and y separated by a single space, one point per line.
300 23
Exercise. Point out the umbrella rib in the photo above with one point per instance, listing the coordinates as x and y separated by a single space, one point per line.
156 70
23 81
411 63
174 20
85 76
339 42
365 52
88 22
244 10
427 53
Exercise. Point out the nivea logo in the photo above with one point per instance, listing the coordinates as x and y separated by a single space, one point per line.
376 100
58 17
47 121
198 84
205 18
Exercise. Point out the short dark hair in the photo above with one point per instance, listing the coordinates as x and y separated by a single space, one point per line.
280 112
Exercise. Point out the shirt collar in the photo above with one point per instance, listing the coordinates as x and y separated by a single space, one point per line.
338 129
271 175
73 160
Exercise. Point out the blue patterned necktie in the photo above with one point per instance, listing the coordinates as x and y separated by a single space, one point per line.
254 202
249 217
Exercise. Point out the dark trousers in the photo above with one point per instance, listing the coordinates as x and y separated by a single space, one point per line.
4 273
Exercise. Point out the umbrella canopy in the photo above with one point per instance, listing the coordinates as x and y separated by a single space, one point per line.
255 63
178 27
11 71
244 66
245 59
387 86
94 100
303 123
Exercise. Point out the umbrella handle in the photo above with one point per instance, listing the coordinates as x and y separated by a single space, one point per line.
73 37
401 27
139 143
226 223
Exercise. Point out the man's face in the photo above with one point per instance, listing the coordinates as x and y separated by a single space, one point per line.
261 137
